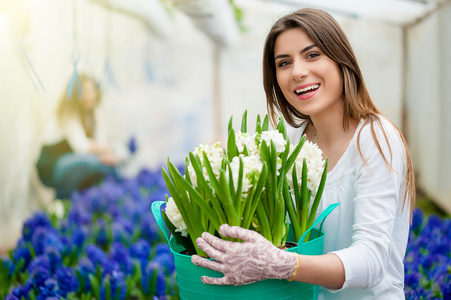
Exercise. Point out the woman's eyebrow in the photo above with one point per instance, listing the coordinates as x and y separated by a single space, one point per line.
302 51
308 48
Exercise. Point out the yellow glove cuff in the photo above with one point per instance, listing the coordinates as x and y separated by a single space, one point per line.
295 270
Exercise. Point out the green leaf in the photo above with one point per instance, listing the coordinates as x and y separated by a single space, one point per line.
230 126
176 196
281 127
94 286
215 184
118 292
184 241
187 177
244 122
181 201
318 195
265 125
231 183
32 295
291 210
227 203
107 289
279 220
245 151
265 230
31 249
292 158
238 193
304 194
284 168
297 195
192 221
273 177
259 120
258 125
257 193
232 149
205 208
81 280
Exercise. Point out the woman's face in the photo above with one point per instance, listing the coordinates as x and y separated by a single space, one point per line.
89 95
310 81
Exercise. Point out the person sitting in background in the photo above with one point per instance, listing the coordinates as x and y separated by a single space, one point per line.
75 154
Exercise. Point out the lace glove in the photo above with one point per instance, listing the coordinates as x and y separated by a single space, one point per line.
242 263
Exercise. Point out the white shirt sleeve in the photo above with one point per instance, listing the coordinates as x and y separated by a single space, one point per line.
379 190
76 136
100 133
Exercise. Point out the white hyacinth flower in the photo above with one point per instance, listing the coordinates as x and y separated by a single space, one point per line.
252 167
214 154
276 137
315 165
175 217
244 139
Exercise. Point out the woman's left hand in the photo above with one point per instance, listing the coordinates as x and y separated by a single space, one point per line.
108 158
242 263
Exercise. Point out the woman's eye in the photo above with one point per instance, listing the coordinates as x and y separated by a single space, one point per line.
313 55
284 63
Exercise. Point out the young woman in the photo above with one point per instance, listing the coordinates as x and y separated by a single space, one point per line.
75 154
312 78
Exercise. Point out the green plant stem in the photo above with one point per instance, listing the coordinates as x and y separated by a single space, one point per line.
256 197
244 122
318 195
227 201
291 212
304 194
265 230
279 220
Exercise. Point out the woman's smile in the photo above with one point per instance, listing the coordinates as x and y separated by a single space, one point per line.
306 91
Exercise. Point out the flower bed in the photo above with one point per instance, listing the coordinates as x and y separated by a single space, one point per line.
427 265
104 244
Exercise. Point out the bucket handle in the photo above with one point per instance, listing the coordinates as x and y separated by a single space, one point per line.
156 211
321 218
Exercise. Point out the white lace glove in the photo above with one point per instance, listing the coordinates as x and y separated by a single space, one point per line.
242 263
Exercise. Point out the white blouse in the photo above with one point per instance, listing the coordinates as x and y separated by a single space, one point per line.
369 230
72 130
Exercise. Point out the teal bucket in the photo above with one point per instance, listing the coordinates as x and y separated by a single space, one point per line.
191 287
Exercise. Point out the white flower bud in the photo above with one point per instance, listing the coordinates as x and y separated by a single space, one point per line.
175 217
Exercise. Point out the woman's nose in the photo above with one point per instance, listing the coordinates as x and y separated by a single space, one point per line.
299 70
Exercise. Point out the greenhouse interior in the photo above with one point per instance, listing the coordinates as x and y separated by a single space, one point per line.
127 126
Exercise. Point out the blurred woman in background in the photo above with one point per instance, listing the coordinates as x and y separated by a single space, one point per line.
75 154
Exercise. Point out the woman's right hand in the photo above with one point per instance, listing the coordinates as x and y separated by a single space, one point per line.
108 158
105 153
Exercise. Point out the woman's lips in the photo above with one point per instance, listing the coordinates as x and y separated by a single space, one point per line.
306 91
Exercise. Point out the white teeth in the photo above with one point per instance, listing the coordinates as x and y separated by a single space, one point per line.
311 87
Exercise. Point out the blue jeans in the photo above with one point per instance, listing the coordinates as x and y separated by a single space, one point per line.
77 171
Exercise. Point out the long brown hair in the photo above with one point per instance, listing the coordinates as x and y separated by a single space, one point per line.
330 38
73 106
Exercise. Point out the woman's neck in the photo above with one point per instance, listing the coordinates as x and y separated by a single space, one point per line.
330 135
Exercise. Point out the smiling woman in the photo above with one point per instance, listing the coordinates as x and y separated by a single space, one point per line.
303 72
312 78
